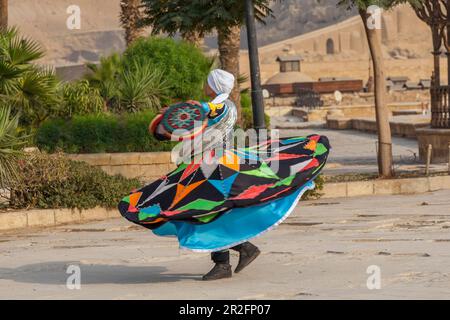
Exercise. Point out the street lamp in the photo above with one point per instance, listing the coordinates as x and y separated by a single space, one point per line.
255 75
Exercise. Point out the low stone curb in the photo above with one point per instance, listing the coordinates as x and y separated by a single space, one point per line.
400 129
385 187
12 220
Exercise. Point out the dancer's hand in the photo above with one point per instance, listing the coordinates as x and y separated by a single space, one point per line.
194 102
163 110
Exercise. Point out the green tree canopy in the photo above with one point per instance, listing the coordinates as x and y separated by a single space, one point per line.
203 16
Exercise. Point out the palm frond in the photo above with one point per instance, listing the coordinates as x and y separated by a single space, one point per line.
22 51
10 144
141 87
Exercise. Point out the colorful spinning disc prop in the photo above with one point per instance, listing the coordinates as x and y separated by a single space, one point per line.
180 121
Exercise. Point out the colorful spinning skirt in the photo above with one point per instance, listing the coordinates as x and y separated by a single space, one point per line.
228 197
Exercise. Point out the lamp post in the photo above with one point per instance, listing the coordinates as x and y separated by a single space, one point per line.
255 75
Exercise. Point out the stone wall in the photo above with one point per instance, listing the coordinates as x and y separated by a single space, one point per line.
399 129
356 98
146 166
350 111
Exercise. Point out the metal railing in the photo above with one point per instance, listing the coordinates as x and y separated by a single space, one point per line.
440 106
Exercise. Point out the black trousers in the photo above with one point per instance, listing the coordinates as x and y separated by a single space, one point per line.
223 256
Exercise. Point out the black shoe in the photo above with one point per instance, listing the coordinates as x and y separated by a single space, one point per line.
220 271
247 253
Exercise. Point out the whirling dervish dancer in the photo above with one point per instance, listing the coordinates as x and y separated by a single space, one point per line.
222 197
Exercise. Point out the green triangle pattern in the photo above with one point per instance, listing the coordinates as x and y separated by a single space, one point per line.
207 218
201 204
320 149
285 182
181 167
263 171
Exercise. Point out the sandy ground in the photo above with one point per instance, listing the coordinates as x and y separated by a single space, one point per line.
322 251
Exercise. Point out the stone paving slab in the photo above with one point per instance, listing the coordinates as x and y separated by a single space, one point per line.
321 251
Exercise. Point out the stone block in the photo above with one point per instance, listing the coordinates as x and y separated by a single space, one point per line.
96 213
113 213
13 220
154 158
359 188
386 187
63 216
40 218
129 158
156 170
339 123
439 183
94 159
334 190
128 171
412 186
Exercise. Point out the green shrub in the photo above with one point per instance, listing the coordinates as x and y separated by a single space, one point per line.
79 98
185 67
139 87
52 181
103 76
315 193
100 133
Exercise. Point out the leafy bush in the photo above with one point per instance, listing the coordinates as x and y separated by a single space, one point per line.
104 76
315 193
131 87
184 66
140 87
80 98
100 133
52 181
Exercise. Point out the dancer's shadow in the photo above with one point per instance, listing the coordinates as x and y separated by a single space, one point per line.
56 273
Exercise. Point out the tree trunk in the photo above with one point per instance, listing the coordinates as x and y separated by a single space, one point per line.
370 83
130 16
194 37
3 14
229 41
382 113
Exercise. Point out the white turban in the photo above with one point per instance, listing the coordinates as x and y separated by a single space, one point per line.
221 82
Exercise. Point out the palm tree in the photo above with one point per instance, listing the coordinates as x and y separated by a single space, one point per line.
3 14
10 143
382 113
27 88
223 16
130 16
174 16
194 37
104 76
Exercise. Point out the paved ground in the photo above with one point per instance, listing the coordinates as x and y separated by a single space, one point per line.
355 152
350 146
322 251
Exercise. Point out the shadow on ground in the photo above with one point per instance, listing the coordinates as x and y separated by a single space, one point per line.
55 273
